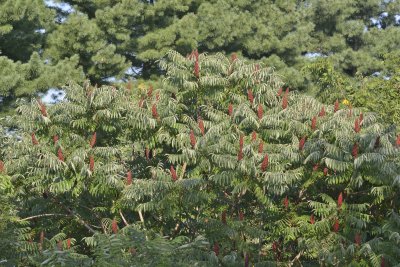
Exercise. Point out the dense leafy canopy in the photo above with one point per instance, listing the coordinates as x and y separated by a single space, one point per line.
216 165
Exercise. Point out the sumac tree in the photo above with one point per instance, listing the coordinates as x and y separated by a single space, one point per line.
266 179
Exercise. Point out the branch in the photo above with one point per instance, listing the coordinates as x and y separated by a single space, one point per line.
82 221
183 170
72 213
97 216
296 259
43 215
141 216
123 218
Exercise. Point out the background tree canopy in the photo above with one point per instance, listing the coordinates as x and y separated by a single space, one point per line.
109 37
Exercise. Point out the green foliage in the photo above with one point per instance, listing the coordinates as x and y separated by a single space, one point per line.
24 71
378 93
108 38
193 195
80 36
279 33
19 24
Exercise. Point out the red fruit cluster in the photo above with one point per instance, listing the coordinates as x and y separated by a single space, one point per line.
147 153
216 248
285 101
42 109
154 111
230 109
253 136
192 139
93 140
241 143
223 217
398 141
354 151
60 155
241 216
260 147
174 176
265 162
34 140
274 246
129 178
336 106
312 219
286 202
302 142
201 125
336 226
322 112
325 171
150 91
246 260
196 69
1 166
357 127
260 111
315 168
357 239
91 163
340 200
55 139
250 96
114 226
314 123
68 243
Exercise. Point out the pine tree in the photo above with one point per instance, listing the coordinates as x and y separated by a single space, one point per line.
80 36
355 35
24 71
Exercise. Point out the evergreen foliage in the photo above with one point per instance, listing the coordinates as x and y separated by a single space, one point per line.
191 172
355 34
24 26
123 39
